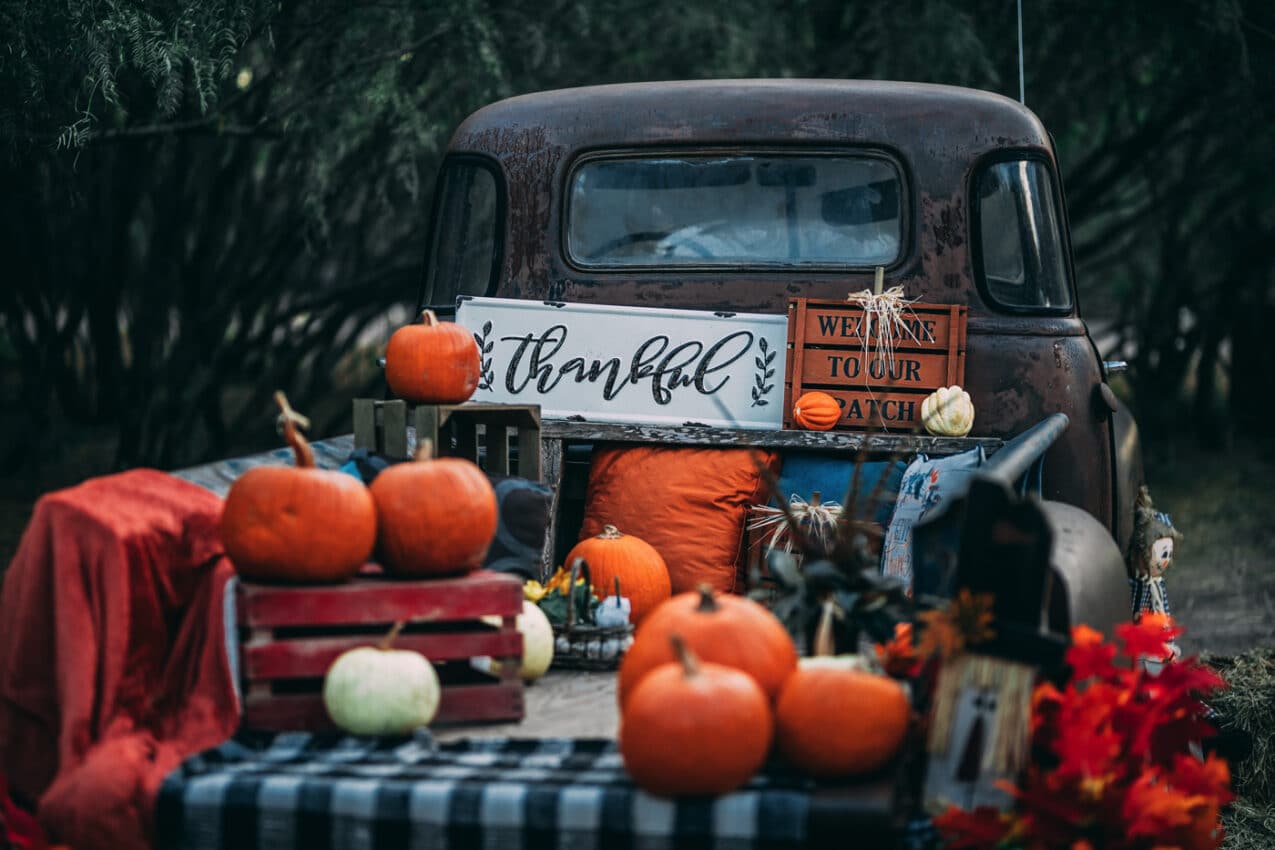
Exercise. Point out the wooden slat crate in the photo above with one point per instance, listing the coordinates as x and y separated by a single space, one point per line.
290 635
826 353
381 426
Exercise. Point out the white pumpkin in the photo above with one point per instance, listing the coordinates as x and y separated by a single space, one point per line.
375 690
948 412
835 662
537 642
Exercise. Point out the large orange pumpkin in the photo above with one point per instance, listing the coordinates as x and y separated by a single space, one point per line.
816 411
694 727
434 517
832 720
730 630
642 573
432 363
297 524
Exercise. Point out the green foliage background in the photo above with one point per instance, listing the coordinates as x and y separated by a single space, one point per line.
204 200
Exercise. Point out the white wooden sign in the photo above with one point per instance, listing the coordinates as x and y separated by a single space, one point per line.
630 364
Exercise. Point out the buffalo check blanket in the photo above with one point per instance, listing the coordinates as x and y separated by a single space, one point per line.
298 790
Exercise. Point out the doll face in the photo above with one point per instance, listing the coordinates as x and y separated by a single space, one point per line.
1161 556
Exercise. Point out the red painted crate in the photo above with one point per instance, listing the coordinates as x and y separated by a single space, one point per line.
289 636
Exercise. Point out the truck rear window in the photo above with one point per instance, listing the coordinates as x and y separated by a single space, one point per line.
750 210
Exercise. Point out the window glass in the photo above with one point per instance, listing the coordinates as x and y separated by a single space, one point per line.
738 210
1020 237
465 233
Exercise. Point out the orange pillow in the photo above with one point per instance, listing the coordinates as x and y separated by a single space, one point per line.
689 503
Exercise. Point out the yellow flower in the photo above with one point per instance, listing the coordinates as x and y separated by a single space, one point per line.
558 581
533 591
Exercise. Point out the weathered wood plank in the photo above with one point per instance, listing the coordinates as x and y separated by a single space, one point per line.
310 657
551 473
365 424
929 327
425 417
394 428
825 441
498 701
498 449
363 600
851 369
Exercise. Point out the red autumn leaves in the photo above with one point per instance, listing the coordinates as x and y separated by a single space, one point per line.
1112 769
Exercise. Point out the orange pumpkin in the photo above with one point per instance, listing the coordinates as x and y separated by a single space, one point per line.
816 411
730 630
299 524
694 728
641 571
434 517
432 363
832 720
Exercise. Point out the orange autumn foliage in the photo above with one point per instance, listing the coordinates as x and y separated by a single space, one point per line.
1119 774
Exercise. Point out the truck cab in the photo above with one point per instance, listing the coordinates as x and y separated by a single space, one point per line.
738 195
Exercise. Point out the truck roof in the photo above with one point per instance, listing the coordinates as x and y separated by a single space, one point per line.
958 123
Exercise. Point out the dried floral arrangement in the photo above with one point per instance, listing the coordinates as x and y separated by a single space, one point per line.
838 569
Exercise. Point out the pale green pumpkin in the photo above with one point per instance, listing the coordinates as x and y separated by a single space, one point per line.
376 690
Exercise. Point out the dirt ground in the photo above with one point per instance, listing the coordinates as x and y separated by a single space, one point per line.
1222 583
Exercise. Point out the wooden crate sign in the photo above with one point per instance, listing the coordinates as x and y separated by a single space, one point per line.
290 635
835 367
826 353
831 323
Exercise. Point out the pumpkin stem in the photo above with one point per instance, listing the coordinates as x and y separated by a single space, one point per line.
707 602
391 636
428 318
690 664
424 450
617 591
610 532
824 643
292 422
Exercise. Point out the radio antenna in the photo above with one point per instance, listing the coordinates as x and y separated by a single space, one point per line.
1022 87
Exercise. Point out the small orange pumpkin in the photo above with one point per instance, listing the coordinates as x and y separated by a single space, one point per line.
434 517
816 411
641 570
694 728
433 362
832 720
299 524
730 630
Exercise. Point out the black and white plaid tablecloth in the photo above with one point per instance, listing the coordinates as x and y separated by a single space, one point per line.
313 792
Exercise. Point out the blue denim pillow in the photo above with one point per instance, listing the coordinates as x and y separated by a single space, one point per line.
803 473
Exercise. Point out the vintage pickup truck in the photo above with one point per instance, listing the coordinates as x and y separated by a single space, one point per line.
738 195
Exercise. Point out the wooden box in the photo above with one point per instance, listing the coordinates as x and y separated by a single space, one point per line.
381 426
826 353
290 635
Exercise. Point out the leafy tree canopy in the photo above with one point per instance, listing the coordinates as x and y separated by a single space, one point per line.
209 199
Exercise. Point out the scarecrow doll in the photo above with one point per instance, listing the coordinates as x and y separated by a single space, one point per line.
1150 555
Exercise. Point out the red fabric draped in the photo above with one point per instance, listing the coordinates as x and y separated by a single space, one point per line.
112 659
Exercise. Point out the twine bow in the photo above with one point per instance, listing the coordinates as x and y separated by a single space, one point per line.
819 518
886 312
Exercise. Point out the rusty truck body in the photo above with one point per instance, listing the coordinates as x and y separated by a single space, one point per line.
738 195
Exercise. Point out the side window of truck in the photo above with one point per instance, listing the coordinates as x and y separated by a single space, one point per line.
468 215
1020 262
